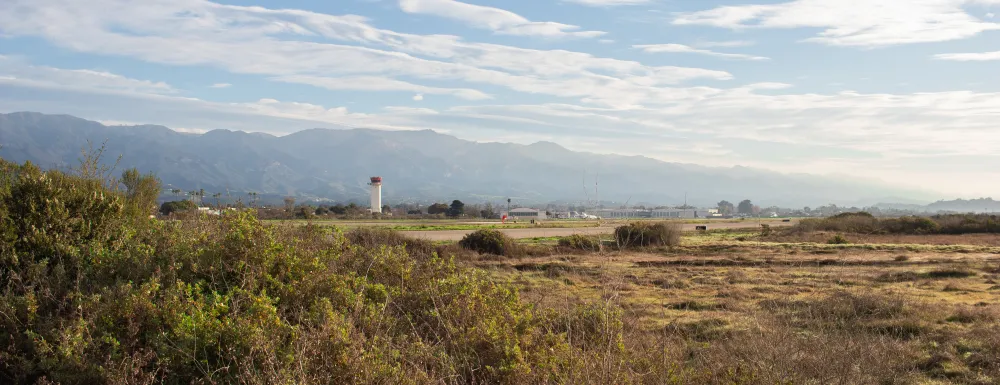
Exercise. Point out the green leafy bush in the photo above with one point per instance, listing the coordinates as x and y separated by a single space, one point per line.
638 234
168 208
490 241
909 225
374 237
857 214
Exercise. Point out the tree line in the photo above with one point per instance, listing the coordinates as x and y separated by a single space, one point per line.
745 207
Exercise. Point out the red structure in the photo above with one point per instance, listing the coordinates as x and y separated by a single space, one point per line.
376 179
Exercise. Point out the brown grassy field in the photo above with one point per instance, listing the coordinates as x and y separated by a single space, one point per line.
733 307
897 239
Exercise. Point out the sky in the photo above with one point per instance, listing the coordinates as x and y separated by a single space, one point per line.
900 91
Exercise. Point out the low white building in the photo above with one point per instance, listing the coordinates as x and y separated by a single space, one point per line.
209 210
526 213
672 213
622 213
654 214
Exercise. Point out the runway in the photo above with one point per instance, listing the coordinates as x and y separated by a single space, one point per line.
456 235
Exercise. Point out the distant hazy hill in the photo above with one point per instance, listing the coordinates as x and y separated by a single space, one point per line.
336 164
959 205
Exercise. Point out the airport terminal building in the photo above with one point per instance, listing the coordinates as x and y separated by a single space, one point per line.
654 214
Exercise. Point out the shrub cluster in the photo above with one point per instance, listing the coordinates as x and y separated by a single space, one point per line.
865 223
580 242
490 241
168 208
94 291
967 223
641 234
374 238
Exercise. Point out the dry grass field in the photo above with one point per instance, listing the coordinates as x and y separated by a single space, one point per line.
735 307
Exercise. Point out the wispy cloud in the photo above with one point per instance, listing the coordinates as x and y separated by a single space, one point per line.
374 83
680 48
498 20
16 71
608 3
976 56
254 40
854 23
221 85
725 44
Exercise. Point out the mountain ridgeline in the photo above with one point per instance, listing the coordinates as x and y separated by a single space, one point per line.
981 205
416 165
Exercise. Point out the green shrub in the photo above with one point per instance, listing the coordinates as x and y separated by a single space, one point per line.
581 242
865 223
949 273
490 241
967 223
374 237
93 291
858 214
640 234
909 225
168 208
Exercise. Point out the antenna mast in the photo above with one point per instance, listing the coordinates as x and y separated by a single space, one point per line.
597 179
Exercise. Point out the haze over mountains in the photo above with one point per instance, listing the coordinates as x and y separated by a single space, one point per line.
416 165
981 205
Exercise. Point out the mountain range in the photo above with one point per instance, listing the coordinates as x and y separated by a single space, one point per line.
981 205
423 165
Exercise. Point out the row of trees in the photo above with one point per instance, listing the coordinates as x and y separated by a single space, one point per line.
745 207
455 210
200 195
290 209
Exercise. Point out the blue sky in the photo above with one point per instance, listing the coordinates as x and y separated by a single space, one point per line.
903 91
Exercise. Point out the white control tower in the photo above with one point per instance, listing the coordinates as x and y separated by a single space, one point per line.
376 198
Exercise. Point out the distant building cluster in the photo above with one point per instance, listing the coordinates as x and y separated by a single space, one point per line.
529 213
656 213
